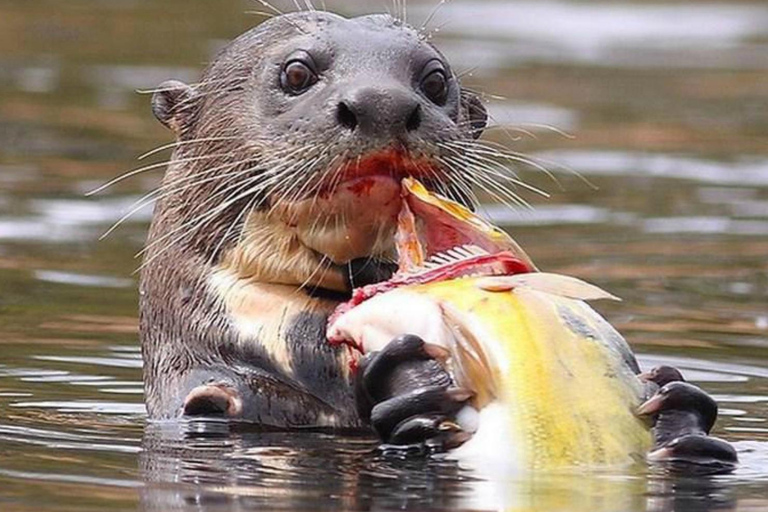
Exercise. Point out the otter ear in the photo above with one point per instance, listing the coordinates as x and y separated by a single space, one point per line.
172 104
474 112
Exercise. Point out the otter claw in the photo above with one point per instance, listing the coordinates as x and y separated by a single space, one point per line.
449 426
696 454
695 448
386 415
415 430
447 441
430 433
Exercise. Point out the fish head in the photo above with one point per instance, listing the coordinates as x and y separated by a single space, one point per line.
431 224
437 240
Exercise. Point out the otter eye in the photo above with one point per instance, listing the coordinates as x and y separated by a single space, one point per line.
435 83
297 77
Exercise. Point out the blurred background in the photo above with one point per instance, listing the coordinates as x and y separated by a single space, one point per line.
650 119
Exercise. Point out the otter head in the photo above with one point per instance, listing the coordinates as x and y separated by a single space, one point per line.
291 149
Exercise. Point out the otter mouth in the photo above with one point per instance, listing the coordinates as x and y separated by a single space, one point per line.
390 166
439 240
353 212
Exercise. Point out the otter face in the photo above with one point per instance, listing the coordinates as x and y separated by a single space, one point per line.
310 122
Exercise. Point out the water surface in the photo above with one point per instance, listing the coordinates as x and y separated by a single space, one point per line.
653 119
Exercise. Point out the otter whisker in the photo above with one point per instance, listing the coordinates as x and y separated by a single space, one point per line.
445 188
466 72
490 166
489 186
261 13
193 85
429 35
554 129
279 12
240 216
296 191
195 179
270 6
462 188
289 194
459 168
488 154
432 14
194 224
315 190
483 176
314 227
276 177
495 149
146 168
324 264
506 129
173 187
174 145
337 173
495 168
498 151
302 192
193 101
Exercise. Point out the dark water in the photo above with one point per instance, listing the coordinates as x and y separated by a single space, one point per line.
660 196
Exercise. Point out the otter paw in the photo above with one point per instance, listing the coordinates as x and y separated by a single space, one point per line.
406 395
683 416
697 450
213 399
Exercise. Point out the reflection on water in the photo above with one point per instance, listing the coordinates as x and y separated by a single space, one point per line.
654 129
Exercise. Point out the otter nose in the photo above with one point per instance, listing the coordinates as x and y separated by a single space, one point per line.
378 111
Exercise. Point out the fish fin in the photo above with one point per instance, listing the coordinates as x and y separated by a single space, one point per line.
472 367
555 284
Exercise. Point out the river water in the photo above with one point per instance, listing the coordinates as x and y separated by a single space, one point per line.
652 119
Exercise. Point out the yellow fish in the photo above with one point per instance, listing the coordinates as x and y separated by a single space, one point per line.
554 384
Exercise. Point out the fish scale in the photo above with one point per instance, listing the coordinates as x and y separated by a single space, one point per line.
570 401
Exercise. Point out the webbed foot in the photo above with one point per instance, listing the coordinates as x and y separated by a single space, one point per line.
683 416
406 395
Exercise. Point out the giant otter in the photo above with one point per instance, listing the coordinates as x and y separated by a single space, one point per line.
282 195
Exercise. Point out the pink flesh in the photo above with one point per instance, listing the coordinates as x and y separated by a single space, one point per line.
410 251
441 232
393 163
438 234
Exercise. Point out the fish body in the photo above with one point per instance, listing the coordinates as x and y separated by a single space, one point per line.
554 385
